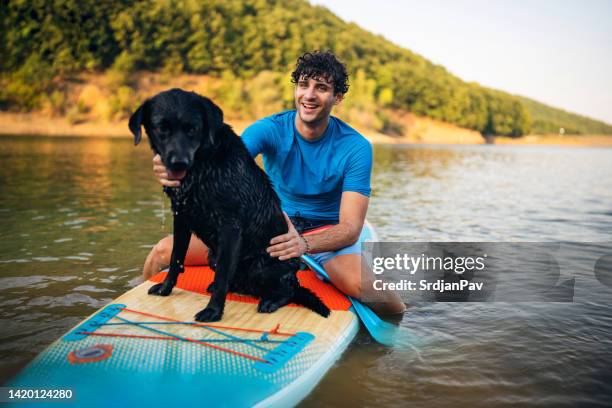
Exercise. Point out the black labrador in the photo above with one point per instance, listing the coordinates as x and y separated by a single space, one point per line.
225 199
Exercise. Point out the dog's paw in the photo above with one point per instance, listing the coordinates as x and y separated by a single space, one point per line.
268 306
211 287
161 289
324 311
210 314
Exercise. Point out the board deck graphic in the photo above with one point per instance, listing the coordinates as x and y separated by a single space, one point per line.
147 350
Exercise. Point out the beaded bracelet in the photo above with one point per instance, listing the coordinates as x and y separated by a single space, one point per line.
307 244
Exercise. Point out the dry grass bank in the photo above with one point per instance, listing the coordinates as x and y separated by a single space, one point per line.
557 140
95 105
419 131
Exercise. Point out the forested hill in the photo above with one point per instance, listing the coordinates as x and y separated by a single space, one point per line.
237 40
546 119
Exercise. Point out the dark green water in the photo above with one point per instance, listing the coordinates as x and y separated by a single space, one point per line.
78 216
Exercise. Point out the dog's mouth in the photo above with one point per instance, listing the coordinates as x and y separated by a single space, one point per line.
177 175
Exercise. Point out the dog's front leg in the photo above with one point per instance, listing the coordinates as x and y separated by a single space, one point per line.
182 235
230 244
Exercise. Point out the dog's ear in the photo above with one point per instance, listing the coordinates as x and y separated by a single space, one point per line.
135 123
214 118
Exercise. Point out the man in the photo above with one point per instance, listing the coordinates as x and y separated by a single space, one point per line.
320 168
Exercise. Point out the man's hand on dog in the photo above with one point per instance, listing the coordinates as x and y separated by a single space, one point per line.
162 173
289 245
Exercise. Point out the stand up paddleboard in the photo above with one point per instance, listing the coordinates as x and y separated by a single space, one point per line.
144 350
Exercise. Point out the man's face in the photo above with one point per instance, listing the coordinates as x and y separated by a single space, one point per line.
314 99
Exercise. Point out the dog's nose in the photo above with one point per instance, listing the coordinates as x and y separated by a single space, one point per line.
178 165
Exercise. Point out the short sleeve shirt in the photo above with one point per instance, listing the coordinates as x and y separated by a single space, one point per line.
310 177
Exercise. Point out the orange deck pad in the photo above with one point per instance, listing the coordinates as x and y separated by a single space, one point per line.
197 279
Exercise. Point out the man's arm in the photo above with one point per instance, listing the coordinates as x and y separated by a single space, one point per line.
353 208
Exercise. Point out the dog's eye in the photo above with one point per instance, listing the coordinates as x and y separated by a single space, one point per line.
162 128
191 130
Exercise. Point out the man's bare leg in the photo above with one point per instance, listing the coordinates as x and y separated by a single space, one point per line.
159 257
345 273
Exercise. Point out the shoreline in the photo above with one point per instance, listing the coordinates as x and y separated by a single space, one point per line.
423 131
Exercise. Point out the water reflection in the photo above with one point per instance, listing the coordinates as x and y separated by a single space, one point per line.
485 193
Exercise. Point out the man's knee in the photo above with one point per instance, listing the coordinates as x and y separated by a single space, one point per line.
158 258
345 273
162 251
350 285
350 276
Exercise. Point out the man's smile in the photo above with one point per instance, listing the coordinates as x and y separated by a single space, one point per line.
309 106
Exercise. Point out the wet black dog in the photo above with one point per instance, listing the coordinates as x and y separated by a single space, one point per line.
225 199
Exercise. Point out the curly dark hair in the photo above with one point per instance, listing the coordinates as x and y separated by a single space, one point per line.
322 64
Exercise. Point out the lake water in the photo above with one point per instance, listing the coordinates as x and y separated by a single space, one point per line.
78 216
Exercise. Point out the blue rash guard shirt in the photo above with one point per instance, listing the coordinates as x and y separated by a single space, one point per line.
310 177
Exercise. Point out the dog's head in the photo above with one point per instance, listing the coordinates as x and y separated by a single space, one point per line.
178 124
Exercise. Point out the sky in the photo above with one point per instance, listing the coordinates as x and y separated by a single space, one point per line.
555 51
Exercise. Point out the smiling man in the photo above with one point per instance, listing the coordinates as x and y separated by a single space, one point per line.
320 167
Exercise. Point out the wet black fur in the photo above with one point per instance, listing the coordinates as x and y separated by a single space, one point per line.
225 199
